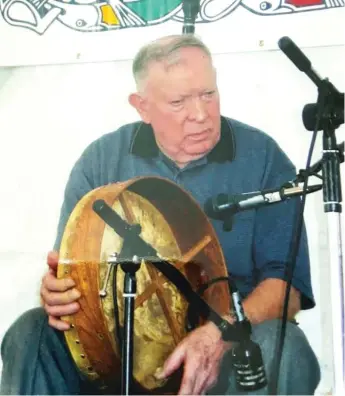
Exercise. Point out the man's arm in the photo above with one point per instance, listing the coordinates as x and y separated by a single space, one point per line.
275 234
267 301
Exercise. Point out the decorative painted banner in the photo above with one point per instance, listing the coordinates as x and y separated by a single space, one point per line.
37 32
106 15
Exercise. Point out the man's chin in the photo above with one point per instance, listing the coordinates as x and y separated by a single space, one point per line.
194 152
193 156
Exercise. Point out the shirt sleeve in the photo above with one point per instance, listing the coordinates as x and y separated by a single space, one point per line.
81 180
275 230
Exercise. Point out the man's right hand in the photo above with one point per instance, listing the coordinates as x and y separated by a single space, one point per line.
59 297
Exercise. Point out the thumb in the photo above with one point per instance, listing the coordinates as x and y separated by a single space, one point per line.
52 260
173 362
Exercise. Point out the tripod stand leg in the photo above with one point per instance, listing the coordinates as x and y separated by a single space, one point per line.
337 302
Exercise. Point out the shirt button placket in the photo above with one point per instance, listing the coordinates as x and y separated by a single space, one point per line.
177 177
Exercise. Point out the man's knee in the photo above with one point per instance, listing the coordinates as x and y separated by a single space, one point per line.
295 341
26 327
298 361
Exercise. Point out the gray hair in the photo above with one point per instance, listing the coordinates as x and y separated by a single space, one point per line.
163 49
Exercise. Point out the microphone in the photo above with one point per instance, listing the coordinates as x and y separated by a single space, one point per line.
296 56
335 99
110 217
299 59
190 10
247 359
214 207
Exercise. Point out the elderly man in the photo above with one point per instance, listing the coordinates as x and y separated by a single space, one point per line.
182 137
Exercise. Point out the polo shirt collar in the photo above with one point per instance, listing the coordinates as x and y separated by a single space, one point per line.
144 143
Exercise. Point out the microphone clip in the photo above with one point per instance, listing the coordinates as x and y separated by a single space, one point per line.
328 112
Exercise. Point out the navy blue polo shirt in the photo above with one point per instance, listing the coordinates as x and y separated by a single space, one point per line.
244 160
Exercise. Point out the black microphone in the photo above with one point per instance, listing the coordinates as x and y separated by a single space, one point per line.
335 99
110 217
247 359
217 206
299 59
190 10
296 56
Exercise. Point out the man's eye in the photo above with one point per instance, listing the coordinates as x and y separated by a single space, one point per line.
176 102
208 94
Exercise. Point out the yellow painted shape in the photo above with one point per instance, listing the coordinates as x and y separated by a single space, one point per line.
108 15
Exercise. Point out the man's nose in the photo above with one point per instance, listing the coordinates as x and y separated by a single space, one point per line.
198 111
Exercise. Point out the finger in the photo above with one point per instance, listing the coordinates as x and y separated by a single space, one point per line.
58 323
62 310
60 298
198 369
173 362
52 283
204 383
210 383
201 378
190 374
53 260
211 379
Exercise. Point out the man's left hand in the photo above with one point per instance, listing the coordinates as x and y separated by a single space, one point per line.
201 353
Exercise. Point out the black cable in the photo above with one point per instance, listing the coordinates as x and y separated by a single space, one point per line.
291 263
118 331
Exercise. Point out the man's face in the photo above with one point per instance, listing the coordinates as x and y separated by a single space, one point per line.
181 103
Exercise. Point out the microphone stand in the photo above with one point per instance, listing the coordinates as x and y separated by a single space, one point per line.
332 198
316 167
329 118
130 266
129 292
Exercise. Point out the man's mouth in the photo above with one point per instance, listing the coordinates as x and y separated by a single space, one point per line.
199 136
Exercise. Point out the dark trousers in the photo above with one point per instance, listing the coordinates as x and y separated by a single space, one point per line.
37 361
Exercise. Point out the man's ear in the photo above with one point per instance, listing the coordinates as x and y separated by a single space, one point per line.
140 104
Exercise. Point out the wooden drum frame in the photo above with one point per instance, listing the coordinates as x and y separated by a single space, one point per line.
173 223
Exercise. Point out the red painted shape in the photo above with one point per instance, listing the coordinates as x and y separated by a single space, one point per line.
304 3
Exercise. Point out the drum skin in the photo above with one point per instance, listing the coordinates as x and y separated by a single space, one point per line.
173 223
